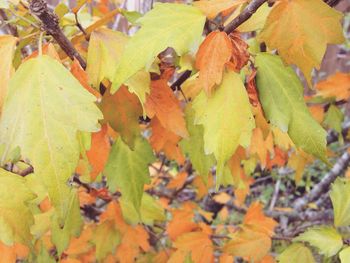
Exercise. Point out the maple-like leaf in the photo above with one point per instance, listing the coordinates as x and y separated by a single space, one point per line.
7 50
49 107
105 231
166 141
261 146
325 238
337 85
248 244
122 110
214 52
312 24
296 253
14 198
198 244
281 95
178 26
240 54
128 170
194 145
211 8
227 119
163 104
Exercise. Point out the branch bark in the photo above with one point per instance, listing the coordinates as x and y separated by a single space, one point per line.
50 23
324 184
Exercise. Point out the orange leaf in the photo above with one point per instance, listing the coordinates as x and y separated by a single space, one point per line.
177 182
261 146
213 54
337 85
81 244
182 221
166 141
122 110
198 244
161 102
82 76
240 54
99 151
256 220
10 254
317 112
279 159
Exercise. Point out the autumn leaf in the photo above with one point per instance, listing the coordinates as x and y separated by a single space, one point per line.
240 54
227 120
312 24
167 25
296 252
211 8
7 50
166 141
337 85
98 152
281 95
42 96
213 54
298 161
261 146
122 111
163 104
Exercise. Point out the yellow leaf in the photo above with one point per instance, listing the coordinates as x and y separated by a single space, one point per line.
312 24
211 8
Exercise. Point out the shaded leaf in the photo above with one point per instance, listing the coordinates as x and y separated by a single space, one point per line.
296 253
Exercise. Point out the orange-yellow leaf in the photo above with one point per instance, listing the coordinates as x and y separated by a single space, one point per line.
166 141
163 104
298 161
122 110
177 182
260 146
317 111
211 8
337 85
213 54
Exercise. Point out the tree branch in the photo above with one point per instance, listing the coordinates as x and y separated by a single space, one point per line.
11 28
50 24
244 16
324 184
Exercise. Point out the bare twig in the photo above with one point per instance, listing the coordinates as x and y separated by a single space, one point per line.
324 184
51 25
11 28
275 194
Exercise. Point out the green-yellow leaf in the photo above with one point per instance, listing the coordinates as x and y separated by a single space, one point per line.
257 20
311 25
325 238
178 26
7 50
334 119
340 196
296 253
15 217
127 170
344 255
194 146
45 108
281 95
227 119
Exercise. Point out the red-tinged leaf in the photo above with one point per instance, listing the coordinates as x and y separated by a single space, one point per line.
99 151
122 110
163 104
213 54
240 54
82 76
256 220
278 159
251 89
337 85
166 141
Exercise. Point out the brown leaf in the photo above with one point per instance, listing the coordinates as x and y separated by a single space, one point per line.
215 51
240 54
163 104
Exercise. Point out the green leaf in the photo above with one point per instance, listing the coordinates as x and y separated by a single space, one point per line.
194 145
167 25
325 238
296 253
227 120
140 85
128 170
106 238
150 211
340 196
131 16
281 95
45 108
15 217
344 255
61 236
333 119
